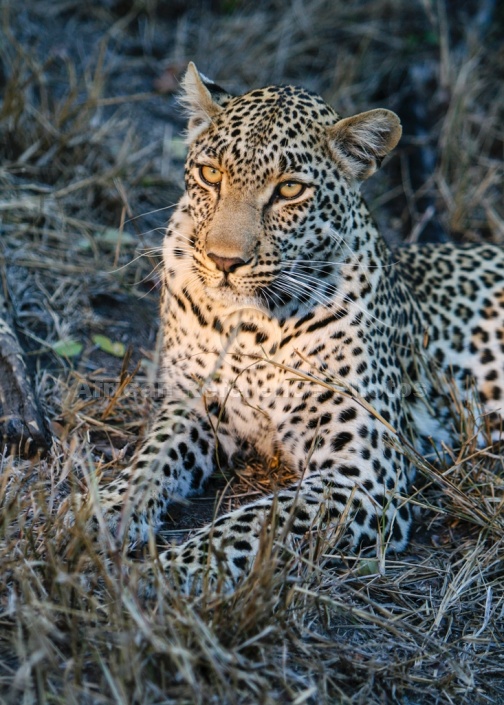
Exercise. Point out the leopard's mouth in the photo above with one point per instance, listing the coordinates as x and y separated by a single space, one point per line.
229 282
231 294
229 287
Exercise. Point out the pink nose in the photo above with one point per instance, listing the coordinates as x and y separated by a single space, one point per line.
226 264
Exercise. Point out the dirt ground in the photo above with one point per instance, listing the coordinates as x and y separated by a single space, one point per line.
91 164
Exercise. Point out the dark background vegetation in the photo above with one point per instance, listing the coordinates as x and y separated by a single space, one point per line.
91 164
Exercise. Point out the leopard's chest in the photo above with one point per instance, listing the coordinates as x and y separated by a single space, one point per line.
261 375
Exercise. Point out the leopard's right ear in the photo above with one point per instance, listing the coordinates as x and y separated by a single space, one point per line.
203 100
361 142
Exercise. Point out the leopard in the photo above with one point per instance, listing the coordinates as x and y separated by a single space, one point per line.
291 329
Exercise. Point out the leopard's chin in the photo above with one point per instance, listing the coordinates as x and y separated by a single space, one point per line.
230 296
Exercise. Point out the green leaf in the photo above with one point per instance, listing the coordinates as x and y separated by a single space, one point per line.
108 239
111 237
117 349
67 348
368 567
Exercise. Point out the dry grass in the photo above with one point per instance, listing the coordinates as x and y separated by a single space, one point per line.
90 166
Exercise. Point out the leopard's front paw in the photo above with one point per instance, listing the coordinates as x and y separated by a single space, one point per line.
204 563
78 513
102 518
71 511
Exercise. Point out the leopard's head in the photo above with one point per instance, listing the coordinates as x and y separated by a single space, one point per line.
272 178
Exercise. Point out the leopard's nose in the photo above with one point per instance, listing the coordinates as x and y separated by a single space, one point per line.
226 264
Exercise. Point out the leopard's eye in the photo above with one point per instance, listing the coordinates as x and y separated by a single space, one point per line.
290 189
210 175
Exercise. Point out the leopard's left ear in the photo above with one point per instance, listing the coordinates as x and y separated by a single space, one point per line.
203 100
361 142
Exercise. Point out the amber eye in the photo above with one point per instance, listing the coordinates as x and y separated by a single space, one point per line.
210 175
290 189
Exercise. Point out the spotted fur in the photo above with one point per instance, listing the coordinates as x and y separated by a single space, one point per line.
290 328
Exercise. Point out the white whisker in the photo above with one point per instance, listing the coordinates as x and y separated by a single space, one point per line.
144 215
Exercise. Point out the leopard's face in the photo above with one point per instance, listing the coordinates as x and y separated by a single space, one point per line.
270 206
272 213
